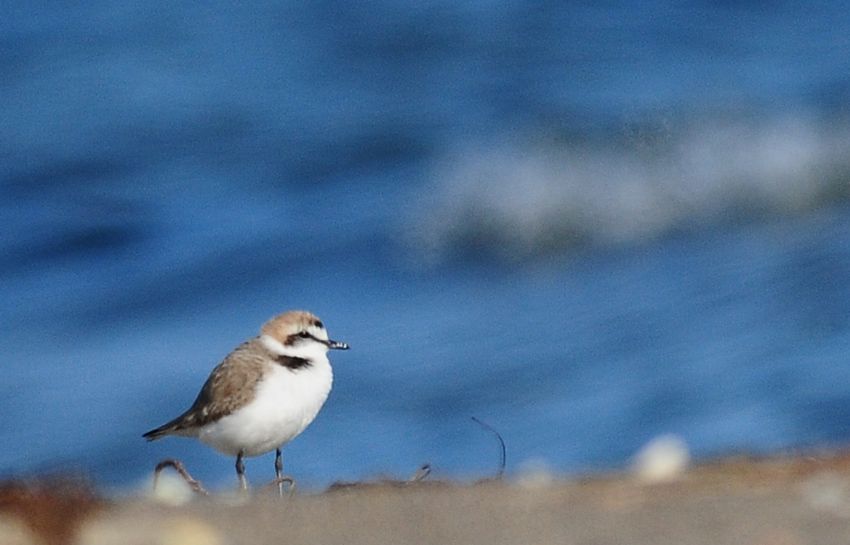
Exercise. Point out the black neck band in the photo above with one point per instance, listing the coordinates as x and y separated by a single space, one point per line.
293 363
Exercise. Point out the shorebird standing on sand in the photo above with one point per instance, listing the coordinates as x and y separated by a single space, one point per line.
263 394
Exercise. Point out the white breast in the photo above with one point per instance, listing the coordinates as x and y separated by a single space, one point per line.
287 400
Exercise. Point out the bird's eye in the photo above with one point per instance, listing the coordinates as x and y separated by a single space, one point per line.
319 324
303 334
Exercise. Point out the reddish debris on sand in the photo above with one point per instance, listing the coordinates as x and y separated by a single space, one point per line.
52 508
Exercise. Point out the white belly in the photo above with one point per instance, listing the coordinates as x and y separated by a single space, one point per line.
285 403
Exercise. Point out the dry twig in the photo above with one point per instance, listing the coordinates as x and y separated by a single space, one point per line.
181 469
502 450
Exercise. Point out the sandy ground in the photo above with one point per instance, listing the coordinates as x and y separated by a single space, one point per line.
778 501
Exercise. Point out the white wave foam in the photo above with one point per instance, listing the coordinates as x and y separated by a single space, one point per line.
518 199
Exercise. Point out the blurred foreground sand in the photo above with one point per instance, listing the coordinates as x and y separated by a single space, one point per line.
778 501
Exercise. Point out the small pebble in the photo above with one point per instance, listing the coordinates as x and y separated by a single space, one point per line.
170 489
535 473
664 458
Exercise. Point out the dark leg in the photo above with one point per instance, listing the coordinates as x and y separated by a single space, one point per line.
240 471
278 471
279 476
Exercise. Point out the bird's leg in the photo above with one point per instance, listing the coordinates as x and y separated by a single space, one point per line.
181 470
278 471
279 476
240 471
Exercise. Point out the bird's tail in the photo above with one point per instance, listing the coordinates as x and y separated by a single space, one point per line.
162 431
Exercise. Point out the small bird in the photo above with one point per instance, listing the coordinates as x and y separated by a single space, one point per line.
263 394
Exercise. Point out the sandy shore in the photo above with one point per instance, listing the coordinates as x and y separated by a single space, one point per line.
777 501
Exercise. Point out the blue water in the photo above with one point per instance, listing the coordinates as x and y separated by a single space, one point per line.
586 225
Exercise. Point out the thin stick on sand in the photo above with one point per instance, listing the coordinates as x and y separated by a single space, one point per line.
180 469
502 450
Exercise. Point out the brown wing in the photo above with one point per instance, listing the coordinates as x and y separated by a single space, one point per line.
231 385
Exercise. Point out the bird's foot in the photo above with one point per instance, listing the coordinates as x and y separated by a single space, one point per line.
280 483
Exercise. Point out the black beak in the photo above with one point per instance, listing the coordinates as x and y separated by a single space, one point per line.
337 345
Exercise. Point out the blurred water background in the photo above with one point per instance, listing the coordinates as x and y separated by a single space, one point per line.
585 224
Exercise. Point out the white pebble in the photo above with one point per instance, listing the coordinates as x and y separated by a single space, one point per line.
662 459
